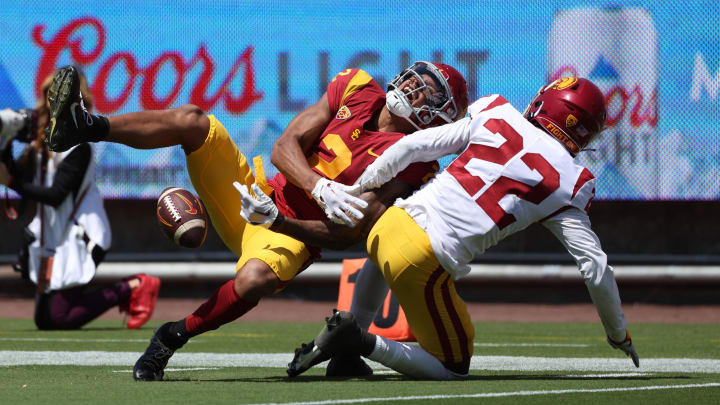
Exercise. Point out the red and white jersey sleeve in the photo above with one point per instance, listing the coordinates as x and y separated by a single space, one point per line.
572 228
509 175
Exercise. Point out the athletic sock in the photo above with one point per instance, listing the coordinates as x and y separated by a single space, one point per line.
412 361
174 335
99 129
370 292
367 343
224 306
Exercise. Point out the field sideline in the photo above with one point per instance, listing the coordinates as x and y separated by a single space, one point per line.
243 362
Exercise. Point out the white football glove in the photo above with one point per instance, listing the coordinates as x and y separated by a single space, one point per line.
627 347
370 179
258 210
337 203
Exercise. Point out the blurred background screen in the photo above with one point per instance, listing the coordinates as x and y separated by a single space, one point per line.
255 64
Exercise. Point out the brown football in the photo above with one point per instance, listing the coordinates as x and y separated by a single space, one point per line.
182 217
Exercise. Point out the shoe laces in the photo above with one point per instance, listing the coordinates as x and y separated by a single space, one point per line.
160 356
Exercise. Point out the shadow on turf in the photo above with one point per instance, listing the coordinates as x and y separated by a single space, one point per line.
316 378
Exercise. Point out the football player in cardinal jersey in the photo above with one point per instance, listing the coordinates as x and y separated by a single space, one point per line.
328 144
512 170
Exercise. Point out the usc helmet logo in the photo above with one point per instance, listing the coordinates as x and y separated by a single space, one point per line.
563 83
570 121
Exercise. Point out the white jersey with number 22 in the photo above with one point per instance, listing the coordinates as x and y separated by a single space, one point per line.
509 175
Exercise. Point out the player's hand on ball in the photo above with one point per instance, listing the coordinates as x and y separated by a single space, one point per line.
339 206
259 209
627 347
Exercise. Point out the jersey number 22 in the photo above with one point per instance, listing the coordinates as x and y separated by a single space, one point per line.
489 199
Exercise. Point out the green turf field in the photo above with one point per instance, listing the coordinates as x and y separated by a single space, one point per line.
514 363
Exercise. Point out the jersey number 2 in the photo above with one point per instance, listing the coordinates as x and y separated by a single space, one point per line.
343 157
490 198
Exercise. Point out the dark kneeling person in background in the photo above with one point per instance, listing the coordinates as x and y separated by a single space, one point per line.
70 232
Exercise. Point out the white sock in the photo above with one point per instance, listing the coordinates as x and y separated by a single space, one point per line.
412 361
369 295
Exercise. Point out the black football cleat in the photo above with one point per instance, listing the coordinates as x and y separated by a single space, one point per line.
70 122
307 356
341 335
348 366
150 366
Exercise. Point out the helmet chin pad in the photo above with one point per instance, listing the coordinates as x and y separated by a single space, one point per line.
398 104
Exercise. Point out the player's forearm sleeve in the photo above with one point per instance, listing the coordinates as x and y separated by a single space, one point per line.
68 179
572 228
421 146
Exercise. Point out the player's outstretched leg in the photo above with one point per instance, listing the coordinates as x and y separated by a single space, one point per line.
341 335
370 292
151 365
70 121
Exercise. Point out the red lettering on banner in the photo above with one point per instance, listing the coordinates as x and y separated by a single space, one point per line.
52 49
102 101
125 63
617 101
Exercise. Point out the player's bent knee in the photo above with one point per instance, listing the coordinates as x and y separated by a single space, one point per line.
194 126
255 280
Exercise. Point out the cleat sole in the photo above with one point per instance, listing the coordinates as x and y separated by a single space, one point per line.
307 356
59 94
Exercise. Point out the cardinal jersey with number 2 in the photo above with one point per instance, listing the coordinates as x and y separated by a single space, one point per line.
510 175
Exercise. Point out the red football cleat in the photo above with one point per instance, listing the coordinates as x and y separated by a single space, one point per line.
142 300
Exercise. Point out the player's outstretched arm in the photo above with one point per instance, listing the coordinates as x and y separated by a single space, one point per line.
260 210
421 146
572 228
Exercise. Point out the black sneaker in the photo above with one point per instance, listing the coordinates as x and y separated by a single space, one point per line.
70 122
341 335
348 366
150 366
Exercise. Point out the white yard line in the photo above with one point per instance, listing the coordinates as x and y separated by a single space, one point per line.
26 339
532 345
18 339
607 375
174 369
497 394
280 360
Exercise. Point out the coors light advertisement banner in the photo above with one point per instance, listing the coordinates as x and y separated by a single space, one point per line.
255 64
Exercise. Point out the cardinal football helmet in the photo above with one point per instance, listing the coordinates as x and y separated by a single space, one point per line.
571 109
447 104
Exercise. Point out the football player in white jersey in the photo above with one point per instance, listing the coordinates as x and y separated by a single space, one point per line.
512 169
